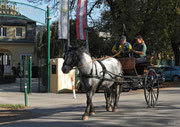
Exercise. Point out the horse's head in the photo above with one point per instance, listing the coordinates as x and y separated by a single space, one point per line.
70 60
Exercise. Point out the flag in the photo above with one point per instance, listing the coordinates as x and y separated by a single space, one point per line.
63 19
81 20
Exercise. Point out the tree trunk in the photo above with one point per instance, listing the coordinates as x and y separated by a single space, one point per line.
177 59
176 49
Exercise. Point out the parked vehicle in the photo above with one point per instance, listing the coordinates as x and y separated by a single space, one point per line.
159 70
171 73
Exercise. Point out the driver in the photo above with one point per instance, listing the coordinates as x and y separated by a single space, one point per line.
123 46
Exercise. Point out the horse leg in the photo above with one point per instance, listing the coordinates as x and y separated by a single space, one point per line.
118 90
92 112
89 104
107 94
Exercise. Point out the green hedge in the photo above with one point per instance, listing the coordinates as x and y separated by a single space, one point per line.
4 79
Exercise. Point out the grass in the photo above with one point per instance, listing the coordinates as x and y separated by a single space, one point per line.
11 106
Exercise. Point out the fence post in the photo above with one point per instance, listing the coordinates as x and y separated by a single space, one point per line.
30 74
21 75
25 80
39 72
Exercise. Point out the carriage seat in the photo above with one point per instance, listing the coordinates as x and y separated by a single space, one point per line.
145 64
142 67
128 65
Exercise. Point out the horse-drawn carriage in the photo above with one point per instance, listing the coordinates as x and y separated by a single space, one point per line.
111 74
144 76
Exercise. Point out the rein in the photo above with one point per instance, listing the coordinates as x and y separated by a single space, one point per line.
102 58
104 71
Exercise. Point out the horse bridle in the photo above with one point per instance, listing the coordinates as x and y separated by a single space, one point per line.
73 63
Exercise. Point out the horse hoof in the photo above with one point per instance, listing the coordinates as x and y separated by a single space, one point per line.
115 110
92 113
85 117
109 109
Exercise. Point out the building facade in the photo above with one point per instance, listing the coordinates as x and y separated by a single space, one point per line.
17 40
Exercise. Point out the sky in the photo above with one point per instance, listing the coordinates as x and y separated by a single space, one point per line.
44 6
96 13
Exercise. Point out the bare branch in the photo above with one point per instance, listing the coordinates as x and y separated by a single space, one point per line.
94 5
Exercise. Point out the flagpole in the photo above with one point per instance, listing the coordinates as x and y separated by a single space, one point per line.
87 43
68 29
48 61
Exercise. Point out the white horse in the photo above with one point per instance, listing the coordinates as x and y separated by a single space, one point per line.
94 75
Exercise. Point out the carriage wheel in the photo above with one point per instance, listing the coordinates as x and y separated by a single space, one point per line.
151 88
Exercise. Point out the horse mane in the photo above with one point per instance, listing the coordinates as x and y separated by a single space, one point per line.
82 50
78 51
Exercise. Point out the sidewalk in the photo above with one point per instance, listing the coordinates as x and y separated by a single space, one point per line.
39 104
10 94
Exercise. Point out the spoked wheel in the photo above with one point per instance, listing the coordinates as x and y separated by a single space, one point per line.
151 88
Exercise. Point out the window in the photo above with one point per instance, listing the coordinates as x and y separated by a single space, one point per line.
5 59
3 31
19 32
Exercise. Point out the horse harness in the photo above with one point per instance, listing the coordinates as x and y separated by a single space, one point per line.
102 78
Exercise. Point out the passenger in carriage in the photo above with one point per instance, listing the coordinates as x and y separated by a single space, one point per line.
123 46
139 49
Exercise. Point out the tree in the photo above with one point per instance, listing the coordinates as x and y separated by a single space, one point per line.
157 21
58 47
174 28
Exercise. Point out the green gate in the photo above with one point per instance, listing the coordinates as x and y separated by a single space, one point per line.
25 73
26 11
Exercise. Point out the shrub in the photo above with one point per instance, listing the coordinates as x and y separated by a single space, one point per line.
4 79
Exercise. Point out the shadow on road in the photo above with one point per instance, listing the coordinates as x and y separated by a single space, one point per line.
128 115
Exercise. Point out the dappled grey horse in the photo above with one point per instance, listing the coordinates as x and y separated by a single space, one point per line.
95 74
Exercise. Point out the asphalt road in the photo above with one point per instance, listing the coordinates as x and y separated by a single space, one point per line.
61 110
